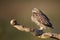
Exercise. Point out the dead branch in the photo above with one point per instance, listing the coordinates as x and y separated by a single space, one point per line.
35 31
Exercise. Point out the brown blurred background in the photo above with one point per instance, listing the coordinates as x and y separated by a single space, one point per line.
21 10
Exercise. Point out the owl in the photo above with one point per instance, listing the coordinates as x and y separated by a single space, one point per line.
39 18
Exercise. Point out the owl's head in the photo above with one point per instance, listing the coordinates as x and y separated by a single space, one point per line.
35 10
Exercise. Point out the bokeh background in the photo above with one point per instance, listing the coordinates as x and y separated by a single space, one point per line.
21 10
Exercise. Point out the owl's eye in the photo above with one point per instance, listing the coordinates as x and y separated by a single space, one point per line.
35 14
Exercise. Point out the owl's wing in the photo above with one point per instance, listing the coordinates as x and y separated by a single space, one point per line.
43 19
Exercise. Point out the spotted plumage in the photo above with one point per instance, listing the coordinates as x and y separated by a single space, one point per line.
40 19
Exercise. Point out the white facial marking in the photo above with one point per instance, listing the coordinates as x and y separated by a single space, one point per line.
35 10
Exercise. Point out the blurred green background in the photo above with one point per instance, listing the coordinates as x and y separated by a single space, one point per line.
21 10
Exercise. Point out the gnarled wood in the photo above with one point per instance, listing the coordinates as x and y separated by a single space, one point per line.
35 31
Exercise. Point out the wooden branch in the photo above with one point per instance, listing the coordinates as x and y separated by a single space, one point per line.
34 31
